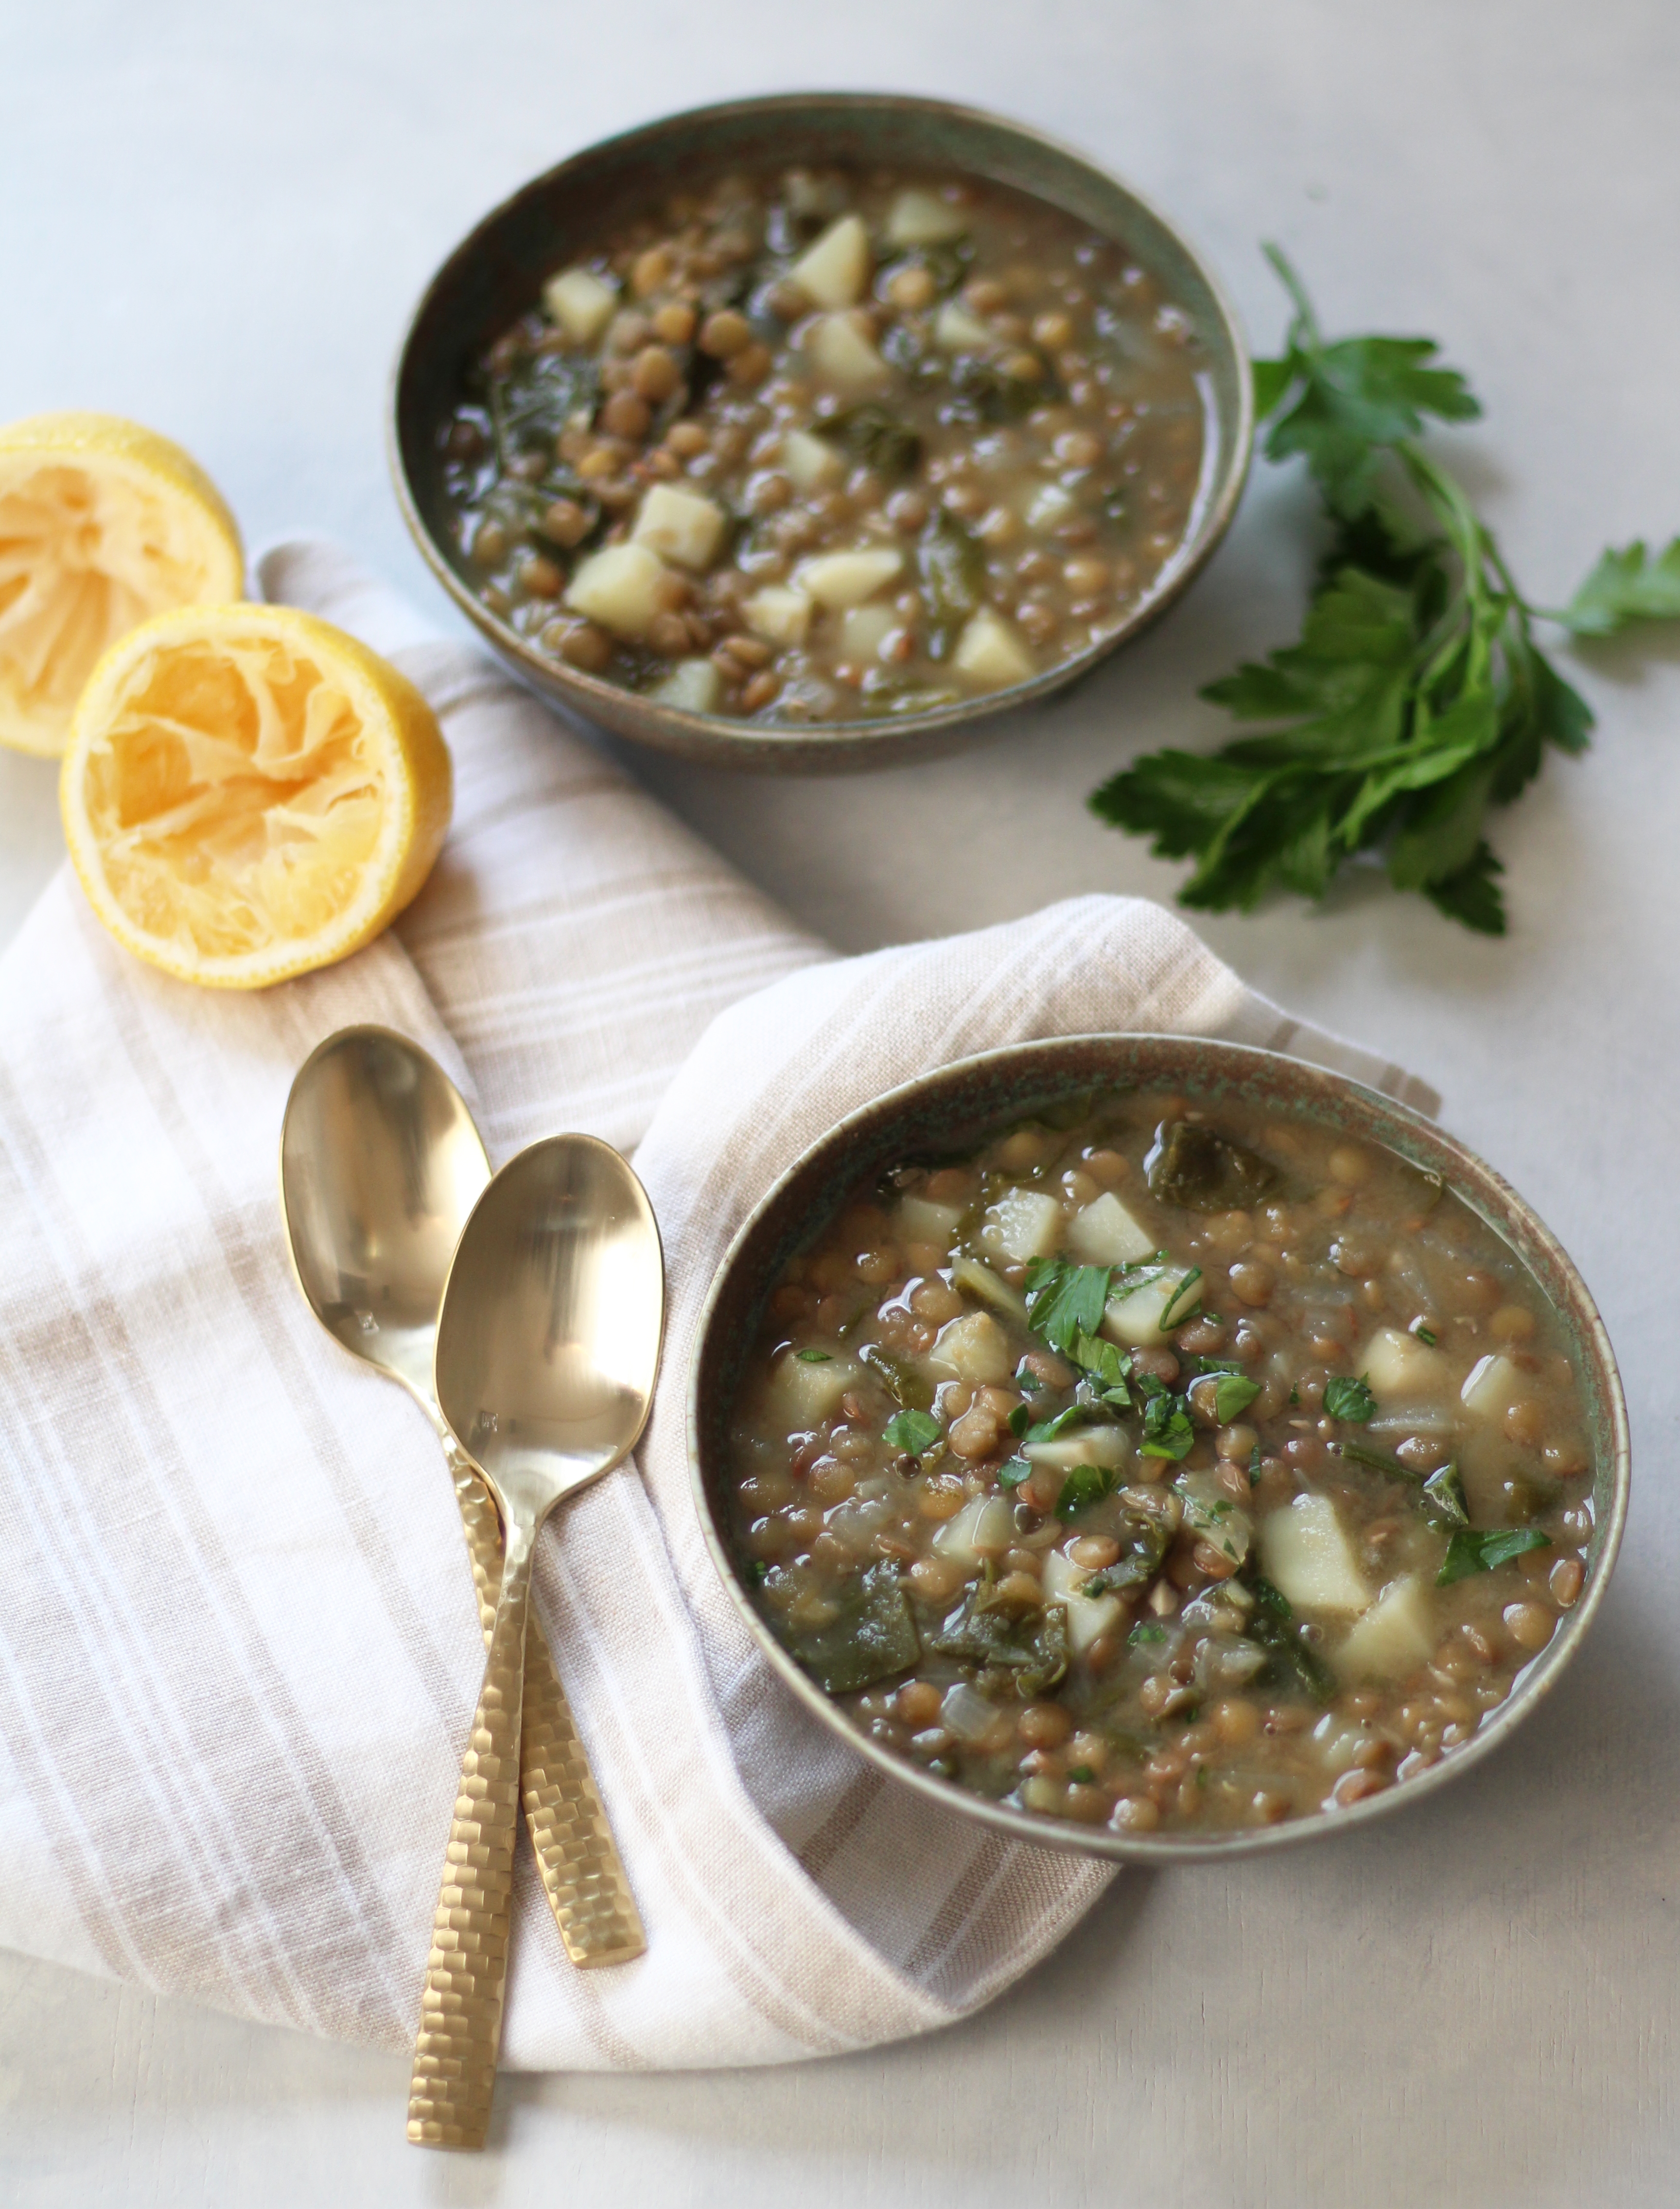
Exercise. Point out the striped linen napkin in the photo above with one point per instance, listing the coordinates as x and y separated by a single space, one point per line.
238 1641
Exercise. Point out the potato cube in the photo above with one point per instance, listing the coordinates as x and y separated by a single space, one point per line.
923 219
975 1348
991 652
864 629
1136 1318
809 463
959 331
1401 1370
846 579
832 271
679 525
1052 504
1024 1223
692 686
1088 1615
801 1394
1309 1558
983 1528
1104 1446
1392 1639
921 1220
1493 1386
778 615
844 354
580 302
1105 1234
618 588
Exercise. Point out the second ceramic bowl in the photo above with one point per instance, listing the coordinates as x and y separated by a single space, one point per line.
943 1111
495 274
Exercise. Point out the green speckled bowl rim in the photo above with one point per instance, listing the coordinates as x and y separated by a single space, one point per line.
488 280
998 1085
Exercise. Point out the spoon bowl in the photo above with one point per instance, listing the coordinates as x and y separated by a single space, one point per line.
380 1166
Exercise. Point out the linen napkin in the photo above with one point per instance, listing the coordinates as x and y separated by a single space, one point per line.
238 1646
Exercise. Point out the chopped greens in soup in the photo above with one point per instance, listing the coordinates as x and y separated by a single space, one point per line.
1161 1468
821 446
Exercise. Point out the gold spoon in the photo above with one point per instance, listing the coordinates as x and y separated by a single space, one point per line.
380 1166
548 1341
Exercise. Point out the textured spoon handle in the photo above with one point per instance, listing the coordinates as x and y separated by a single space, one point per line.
576 1854
461 2008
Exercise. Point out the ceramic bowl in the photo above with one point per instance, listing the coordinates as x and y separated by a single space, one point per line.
494 275
942 1110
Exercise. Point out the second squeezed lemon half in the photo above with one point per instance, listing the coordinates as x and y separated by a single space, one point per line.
249 793
102 524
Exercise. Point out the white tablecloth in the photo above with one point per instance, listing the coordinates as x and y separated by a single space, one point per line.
218 219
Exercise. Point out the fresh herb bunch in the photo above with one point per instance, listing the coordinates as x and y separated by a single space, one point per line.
1417 696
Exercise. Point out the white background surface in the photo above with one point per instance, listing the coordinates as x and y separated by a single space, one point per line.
216 220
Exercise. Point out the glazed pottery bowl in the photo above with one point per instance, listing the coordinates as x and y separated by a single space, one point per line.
943 1111
494 275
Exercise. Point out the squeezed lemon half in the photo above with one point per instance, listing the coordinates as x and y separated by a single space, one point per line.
249 793
102 524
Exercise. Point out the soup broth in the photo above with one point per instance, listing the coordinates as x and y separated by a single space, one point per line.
1161 1467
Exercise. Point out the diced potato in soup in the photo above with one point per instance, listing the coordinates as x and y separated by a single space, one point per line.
1392 1639
846 579
679 525
620 589
757 367
1103 1233
1310 1559
1023 1224
1167 1575
691 685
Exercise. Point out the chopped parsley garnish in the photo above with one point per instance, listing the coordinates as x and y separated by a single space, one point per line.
915 1431
1423 1333
1106 1368
1081 1774
1085 1485
757 1572
1270 1599
814 1357
1167 1431
1065 1302
1020 1419
1350 1400
1470 1551
1443 1500
1356 1453
1064 1422
1232 1392
1295 1396
1172 1314
1145 1633
1417 697
1254 1466
1014 1471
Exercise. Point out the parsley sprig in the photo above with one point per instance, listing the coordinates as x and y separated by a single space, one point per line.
1417 696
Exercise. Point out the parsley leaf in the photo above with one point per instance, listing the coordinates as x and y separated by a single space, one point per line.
1107 1368
1145 1633
814 1357
1086 1484
1065 1302
1625 586
1443 1500
1470 1551
1349 1399
1167 1431
1417 698
1233 1393
915 1431
1014 1471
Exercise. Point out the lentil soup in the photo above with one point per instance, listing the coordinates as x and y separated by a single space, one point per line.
818 446
1163 1468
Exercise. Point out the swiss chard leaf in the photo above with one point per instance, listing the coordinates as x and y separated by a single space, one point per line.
1443 1500
1473 1550
874 1638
